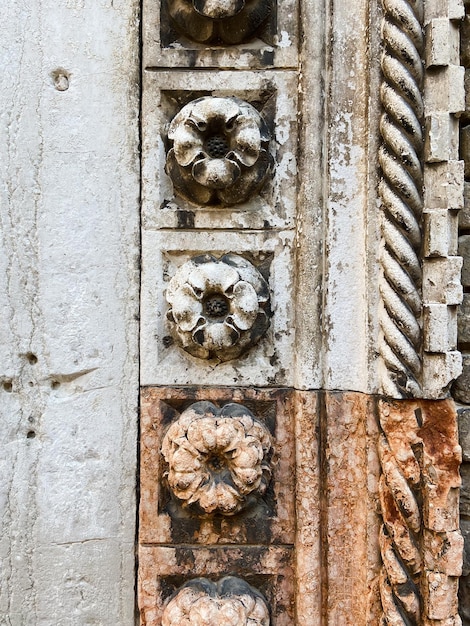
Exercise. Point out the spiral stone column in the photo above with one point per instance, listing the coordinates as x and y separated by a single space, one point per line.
420 542
401 194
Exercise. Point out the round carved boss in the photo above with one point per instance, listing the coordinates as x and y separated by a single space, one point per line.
229 602
218 307
219 153
218 21
217 458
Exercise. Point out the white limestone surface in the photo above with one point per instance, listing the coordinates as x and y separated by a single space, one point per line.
269 362
68 305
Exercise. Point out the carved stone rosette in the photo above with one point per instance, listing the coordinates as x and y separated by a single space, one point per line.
218 307
401 194
230 601
219 153
420 543
217 459
229 22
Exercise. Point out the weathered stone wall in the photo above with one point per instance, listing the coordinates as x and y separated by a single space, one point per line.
271 270
69 259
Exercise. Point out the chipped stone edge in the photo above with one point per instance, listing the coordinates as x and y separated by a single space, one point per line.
444 97
421 545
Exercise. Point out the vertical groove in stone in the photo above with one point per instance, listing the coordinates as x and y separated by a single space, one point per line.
400 157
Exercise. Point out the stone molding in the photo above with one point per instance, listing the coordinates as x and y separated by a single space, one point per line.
420 541
421 191
443 198
401 196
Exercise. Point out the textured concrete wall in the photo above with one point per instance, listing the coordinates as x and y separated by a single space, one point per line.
68 305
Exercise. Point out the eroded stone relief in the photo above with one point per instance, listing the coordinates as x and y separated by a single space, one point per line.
230 601
219 153
218 307
217 458
203 464
401 193
218 21
420 542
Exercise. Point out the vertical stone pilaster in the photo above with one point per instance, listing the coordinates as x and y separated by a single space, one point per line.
421 545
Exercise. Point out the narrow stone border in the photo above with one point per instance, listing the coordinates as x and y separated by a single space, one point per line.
421 191
420 542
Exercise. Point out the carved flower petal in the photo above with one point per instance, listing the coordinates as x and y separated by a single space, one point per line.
218 9
249 274
174 613
249 183
208 497
202 434
245 305
204 611
231 613
246 479
215 173
176 481
186 308
198 27
229 434
212 277
216 336
188 144
183 461
247 455
184 183
210 109
246 140
260 613
182 481
228 498
261 434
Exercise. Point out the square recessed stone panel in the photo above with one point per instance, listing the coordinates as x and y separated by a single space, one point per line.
269 519
275 46
163 569
274 95
269 362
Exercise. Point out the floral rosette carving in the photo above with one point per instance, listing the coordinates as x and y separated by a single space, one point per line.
218 307
229 602
218 21
218 460
219 153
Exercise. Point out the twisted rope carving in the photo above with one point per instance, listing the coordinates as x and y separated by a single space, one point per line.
398 540
401 196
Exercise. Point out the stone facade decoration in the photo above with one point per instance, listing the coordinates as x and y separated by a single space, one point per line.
401 194
255 543
461 387
420 542
218 307
217 459
260 512
270 205
420 190
219 153
229 601
341 359
218 21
